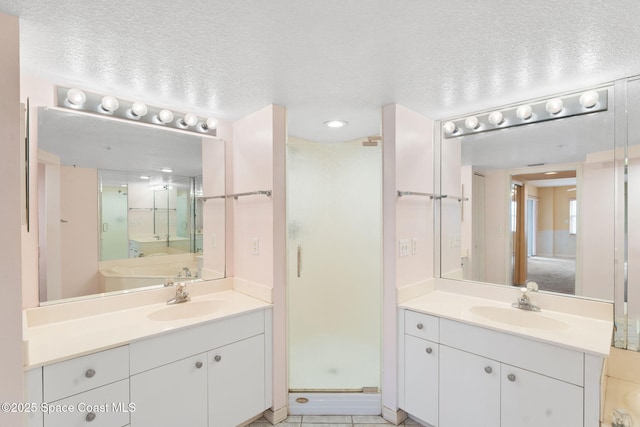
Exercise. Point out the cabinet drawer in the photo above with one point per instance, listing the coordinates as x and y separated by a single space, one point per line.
84 373
105 406
546 359
421 325
166 348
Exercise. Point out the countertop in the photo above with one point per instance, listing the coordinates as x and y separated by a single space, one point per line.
56 341
586 334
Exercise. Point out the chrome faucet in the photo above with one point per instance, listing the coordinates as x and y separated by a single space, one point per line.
524 302
182 295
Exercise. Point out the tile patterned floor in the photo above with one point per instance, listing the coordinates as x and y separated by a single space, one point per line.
332 421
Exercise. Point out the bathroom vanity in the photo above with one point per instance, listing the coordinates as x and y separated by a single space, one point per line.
206 362
465 360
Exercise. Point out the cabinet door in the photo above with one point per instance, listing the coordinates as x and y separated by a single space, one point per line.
421 379
469 390
236 382
171 395
533 400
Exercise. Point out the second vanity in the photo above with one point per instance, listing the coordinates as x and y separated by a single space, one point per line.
468 360
206 362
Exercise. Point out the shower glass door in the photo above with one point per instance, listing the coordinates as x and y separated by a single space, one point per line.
334 214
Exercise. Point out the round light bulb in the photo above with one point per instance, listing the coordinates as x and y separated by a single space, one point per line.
496 118
554 106
165 116
109 104
76 97
190 119
210 124
524 112
139 109
449 128
589 99
471 123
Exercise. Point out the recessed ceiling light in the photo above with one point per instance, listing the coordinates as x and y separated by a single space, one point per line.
550 173
166 170
145 177
335 123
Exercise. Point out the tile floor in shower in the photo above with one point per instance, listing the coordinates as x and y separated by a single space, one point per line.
332 421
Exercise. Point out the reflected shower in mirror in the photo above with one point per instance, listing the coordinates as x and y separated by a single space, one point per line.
121 208
541 205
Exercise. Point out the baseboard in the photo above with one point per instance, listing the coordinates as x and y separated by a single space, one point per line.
394 416
277 416
335 403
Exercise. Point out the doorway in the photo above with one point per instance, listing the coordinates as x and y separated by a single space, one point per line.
551 224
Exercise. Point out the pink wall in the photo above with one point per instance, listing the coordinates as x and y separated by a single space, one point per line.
40 93
213 184
451 185
414 214
596 221
407 166
258 163
497 233
10 220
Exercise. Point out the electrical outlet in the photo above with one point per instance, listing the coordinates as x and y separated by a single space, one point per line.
414 246
256 246
404 247
214 241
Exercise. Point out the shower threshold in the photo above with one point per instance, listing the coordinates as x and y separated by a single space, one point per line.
335 402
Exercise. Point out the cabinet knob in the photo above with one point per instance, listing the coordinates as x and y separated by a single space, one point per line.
511 377
90 417
90 373
217 358
488 369
198 365
419 326
429 350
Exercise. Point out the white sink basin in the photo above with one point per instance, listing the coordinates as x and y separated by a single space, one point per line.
520 318
186 310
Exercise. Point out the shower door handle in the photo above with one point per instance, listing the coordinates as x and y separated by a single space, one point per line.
299 260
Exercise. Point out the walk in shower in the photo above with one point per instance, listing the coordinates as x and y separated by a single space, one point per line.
334 281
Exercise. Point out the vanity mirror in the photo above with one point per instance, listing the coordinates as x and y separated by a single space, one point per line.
538 200
121 205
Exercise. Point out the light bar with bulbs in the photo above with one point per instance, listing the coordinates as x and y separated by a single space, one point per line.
110 106
586 102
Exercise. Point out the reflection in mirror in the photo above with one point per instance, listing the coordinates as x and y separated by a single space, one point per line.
119 206
540 205
543 227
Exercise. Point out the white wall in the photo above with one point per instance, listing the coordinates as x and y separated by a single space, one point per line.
408 158
258 163
11 387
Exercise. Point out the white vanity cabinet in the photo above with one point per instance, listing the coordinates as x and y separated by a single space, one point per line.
421 388
213 374
237 382
88 390
174 394
489 378
421 360
208 374
469 389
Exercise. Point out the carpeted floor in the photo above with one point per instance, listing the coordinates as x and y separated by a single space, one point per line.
553 274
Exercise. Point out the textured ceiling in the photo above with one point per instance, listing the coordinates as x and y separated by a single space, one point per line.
331 58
